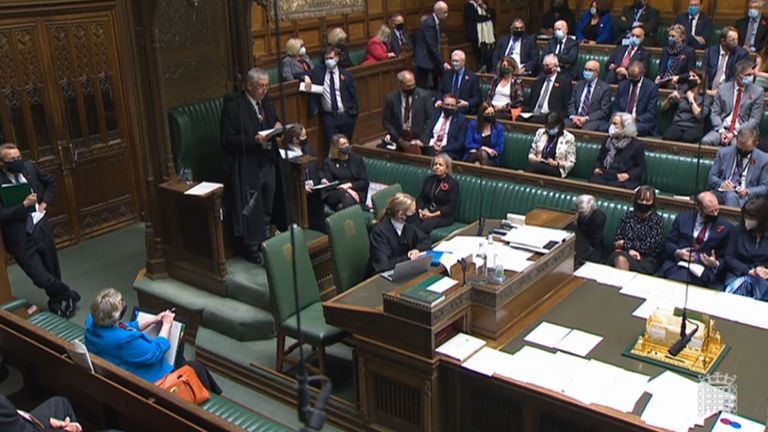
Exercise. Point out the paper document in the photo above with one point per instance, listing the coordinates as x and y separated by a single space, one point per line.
79 354
290 154
443 285
695 268
176 337
525 115
316 88
547 334
37 216
604 274
325 185
487 361
269 133
578 342
537 237
461 346
204 188
461 245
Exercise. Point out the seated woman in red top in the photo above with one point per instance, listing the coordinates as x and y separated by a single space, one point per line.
377 49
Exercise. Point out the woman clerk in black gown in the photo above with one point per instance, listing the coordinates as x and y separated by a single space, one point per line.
349 170
393 239
439 197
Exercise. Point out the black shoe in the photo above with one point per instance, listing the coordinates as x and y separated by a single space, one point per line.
69 305
254 257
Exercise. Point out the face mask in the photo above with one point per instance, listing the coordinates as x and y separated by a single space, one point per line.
456 65
302 51
409 91
400 27
553 131
742 153
548 70
753 13
692 83
330 63
444 17
588 75
614 131
672 41
642 208
593 11
634 41
448 111
15 167
345 150
489 118
747 80
122 312
710 218
693 10
634 80
506 70
559 35
750 223
638 4
518 33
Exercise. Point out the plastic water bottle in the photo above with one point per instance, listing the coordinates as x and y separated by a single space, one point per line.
482 270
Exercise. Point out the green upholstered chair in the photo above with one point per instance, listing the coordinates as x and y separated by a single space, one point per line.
381 198
279 262
195 136
348 233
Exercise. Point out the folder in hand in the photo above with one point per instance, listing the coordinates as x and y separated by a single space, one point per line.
12 194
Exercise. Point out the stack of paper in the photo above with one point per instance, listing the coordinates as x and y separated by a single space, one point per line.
563 338
461 346
203 188
487 361
535 238
675 403
604 274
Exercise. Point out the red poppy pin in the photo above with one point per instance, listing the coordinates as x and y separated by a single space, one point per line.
122 325
753 162
557 85
720 228
443 186
466 77
342 77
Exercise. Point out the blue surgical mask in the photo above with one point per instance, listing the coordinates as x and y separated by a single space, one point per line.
747 80
753 13
593 11
559 35
553 131
588 75
456 65
634 41
693 10
330 63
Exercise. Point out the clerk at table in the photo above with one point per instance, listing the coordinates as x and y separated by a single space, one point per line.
393 240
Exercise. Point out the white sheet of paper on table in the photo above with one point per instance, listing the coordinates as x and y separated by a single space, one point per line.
487 361
547 334
461 346
578 342
604 274
443 285
203 188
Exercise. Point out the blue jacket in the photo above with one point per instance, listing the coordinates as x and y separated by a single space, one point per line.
475 140
604 35
127 347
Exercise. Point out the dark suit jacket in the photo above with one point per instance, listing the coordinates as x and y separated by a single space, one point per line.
348 91
358 178
681 237
422 111
712 58
388 249
649 17
704 28
453 144
589 237
600 102
687 63
11 421
646 106
757 174
630 160
743 253
617 55
395 44
426 53
760 37
529 53
567 58
13 219
559 95
469 89
443 193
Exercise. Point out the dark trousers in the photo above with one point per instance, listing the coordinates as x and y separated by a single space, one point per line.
684 134
339 199
592 125
40 262
608 178
341 123
481 157
57 407
484 56
544 169
257 228
645 265
537 118
426 79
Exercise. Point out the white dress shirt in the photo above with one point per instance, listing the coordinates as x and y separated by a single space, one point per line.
326 102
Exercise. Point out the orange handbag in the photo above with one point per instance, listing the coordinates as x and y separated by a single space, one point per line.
184 383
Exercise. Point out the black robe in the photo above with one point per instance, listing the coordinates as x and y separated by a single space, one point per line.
387 249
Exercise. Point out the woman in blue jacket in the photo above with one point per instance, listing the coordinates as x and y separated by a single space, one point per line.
126 345
485 138
596 25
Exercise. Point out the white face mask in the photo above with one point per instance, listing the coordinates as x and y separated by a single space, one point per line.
330 63
614 131
302 51
750 223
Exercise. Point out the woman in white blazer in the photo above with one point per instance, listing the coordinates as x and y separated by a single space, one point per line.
553 150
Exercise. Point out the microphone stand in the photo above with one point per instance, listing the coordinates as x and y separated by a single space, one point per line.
481 221
312 417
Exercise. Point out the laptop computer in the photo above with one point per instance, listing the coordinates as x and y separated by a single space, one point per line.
408 269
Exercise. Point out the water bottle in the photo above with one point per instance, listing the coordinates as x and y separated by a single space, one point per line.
482 270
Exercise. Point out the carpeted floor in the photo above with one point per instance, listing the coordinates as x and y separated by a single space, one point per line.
113 260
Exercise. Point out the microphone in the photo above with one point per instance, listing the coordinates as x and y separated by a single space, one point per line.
685 339
313 417
481 222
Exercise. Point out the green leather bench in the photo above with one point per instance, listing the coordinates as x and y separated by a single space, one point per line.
507 197
357 55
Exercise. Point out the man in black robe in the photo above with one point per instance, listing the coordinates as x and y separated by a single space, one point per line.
251 161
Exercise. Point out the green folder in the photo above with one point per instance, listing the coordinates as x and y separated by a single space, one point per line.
10 195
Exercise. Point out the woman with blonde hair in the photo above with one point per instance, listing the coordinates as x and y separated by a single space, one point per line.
439 197
337 38
349 171
393 239
378 47
296 63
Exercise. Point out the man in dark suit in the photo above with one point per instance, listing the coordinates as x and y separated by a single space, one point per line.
463 83
740 172
407 114
698 237
337 106
720 60
753 29
251 159
639 12
55 413
738 105
447 131
701 24
521 47
31 243
427 53
639 97
566 49
617 64
398 41
550 92
590 105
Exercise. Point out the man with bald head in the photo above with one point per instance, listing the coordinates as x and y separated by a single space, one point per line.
427 50
463 83
699 237
590 104
407 112
565 48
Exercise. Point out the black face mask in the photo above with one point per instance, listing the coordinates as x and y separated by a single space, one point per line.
345 150
710 218
122 312
642 208
15 167
518 33
489 118
400 27
448 112
638 4
303 142
409 91
742 153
